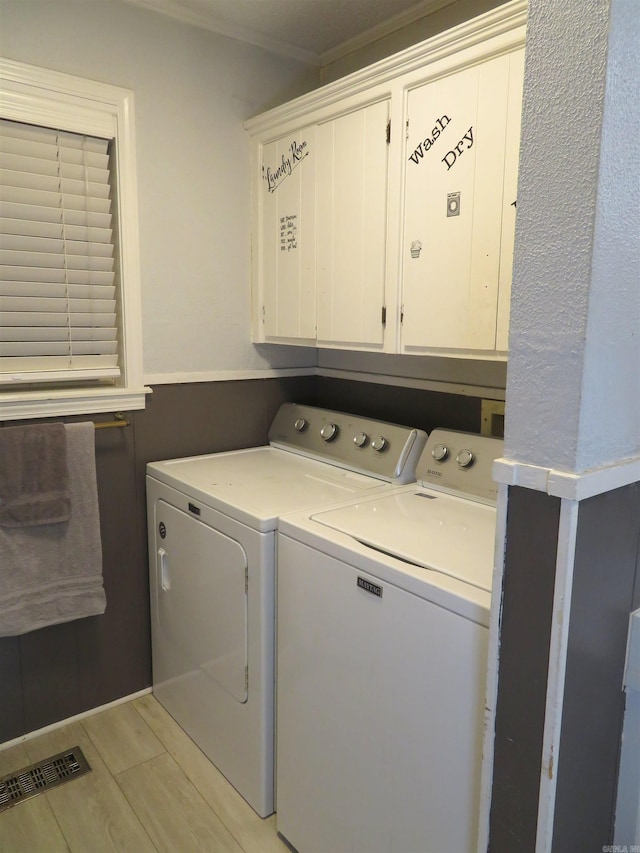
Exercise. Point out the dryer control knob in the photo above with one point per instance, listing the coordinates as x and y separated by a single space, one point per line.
465 458
440 452
329 431
361 439
300 424
379 443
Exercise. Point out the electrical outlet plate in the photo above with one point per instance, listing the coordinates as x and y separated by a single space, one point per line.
492 418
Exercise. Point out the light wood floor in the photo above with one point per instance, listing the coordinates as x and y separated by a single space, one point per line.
150 789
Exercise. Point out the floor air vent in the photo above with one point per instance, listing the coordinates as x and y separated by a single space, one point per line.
42 776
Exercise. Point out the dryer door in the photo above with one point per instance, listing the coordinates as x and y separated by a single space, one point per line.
201 603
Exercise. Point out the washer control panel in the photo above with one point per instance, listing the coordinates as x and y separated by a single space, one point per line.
461 463
385 450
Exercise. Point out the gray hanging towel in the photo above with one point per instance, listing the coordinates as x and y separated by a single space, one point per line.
52 573
33 475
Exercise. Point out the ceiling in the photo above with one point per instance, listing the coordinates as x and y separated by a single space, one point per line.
312 31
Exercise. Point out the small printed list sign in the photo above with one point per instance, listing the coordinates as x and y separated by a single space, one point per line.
288 233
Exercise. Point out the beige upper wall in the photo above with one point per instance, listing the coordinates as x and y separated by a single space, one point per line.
193 90
437 22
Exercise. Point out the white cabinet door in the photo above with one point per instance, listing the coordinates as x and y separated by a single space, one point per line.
286 238
351 205
453 218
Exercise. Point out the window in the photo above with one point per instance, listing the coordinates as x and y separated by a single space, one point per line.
57 285
70 326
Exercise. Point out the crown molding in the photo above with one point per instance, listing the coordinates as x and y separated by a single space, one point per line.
384 29
199 17
503 27
211 22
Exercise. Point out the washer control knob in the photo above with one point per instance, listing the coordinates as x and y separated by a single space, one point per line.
300 424
465 458
361 439
329 431
440 452
379 443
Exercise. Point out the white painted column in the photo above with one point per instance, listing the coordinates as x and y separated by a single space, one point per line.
573 388
573 382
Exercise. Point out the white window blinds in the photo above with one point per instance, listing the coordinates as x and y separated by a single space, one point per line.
57 270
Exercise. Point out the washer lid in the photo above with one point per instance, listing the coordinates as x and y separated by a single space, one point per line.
441 532
257 485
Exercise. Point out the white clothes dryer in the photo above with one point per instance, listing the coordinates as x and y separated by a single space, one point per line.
212 525
383 613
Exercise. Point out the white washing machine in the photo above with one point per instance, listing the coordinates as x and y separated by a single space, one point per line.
383 615
212 522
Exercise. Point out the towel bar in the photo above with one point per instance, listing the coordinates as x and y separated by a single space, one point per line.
120 421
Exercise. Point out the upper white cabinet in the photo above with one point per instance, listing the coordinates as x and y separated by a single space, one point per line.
459 207
351 221
286 238
383 205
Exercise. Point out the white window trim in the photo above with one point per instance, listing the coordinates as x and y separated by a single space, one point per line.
40 96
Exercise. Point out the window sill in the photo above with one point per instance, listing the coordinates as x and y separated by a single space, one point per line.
19 405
